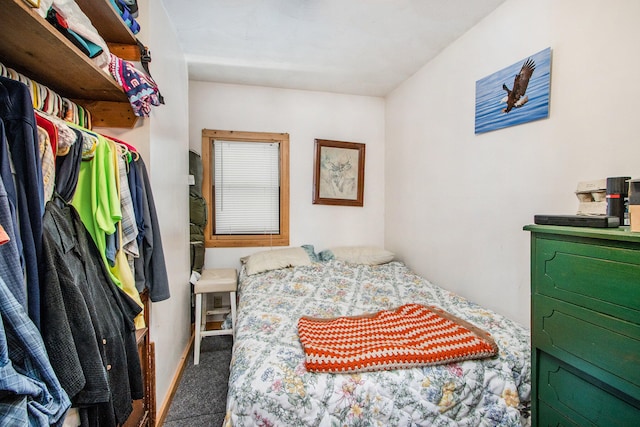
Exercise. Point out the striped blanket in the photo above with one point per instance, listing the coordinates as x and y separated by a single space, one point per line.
409 336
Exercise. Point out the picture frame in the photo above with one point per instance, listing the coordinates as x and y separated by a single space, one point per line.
514 95
338 175
33 3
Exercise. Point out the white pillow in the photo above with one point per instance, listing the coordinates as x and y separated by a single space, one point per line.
371 255
275 259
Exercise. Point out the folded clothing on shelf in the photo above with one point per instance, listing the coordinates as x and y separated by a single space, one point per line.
73 23
128 10
85 45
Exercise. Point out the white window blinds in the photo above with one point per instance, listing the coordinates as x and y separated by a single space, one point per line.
246 187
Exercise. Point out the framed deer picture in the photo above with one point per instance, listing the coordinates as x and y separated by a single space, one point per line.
338 175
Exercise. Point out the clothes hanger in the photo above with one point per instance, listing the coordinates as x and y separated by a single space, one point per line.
12 74
134 155
23 79
48 101
124 151
88 120
67 110
35 95
42 93
80 115
76 113
119 141
57 111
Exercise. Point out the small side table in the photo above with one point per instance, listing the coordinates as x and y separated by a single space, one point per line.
215 280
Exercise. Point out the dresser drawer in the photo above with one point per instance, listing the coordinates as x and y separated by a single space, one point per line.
549 417
596 274
568 397
585 326
600 345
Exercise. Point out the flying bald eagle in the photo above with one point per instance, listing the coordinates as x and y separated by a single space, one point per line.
515 97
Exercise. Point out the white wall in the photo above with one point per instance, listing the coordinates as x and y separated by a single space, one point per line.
163 142
304 115
169 151
456 202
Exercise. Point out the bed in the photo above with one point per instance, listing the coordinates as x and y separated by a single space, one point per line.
269 384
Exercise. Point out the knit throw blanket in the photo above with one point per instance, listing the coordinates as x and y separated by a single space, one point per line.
409 336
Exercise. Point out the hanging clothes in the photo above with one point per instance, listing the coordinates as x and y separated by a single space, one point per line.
66 136
10 266
50 128
88 321
120 266
150 268
135 186
47 161
128 243
82 312
96 197
68 168
16 111
97 200
7 176
30 391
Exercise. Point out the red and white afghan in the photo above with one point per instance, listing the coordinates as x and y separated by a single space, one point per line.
409 336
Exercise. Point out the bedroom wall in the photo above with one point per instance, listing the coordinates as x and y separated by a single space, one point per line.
169 151
456 202
163 142
305 115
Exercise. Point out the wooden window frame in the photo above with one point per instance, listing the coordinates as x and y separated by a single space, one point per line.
249 240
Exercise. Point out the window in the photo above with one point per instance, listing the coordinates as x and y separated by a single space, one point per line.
246 185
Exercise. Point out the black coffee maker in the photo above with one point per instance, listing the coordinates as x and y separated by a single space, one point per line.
617 196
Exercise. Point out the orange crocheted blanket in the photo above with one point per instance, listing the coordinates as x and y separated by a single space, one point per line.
409 336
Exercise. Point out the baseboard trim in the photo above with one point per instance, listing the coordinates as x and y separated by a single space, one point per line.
164 409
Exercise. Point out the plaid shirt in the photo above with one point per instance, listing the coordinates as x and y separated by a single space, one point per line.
129 226
30 394
47 162
10 268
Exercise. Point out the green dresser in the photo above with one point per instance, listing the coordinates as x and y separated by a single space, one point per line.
585 326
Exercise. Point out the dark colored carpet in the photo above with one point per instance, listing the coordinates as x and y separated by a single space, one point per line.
201 398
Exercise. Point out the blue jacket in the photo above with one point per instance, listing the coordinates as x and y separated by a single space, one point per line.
150 268
16 111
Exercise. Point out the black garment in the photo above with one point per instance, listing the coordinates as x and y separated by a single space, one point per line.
68 169
87 321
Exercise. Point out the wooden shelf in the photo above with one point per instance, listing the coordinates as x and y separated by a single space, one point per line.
213 326
107 21
30 45
219 310
110 114
141 334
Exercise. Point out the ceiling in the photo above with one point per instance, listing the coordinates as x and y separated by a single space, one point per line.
362 47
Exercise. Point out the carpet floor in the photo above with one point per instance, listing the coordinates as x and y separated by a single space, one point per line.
201 397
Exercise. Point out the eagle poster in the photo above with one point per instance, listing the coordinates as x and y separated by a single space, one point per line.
514 95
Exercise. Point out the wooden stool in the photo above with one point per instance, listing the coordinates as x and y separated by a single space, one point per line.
213 280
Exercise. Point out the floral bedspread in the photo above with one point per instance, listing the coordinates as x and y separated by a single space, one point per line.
269 385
